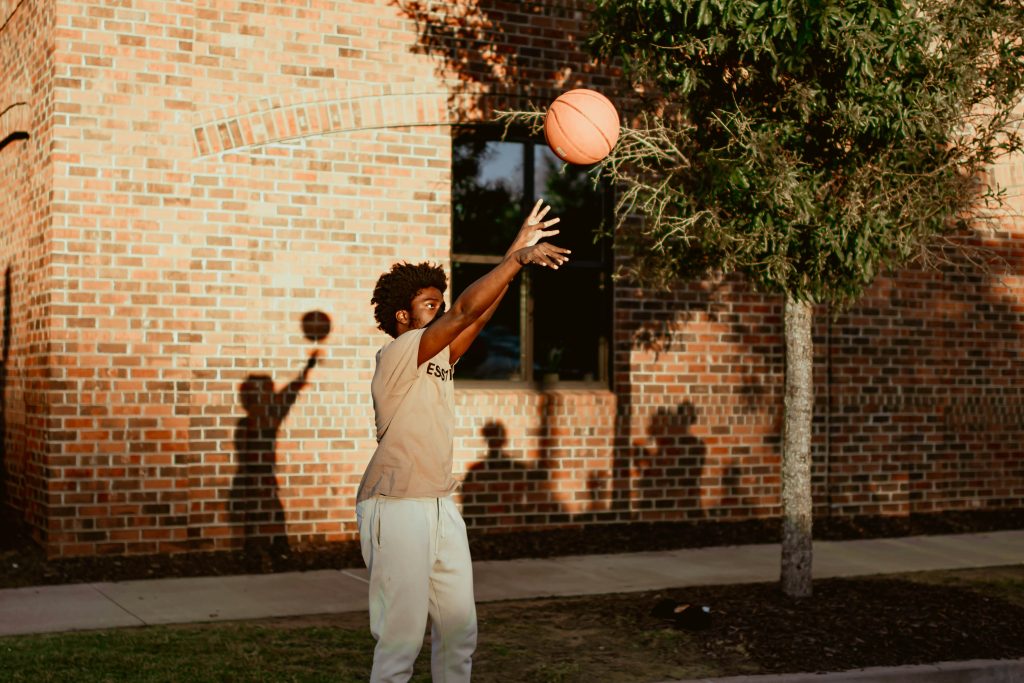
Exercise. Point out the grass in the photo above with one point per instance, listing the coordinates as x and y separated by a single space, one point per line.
240 652
598 638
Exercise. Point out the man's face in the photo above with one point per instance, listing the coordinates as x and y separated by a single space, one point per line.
426 306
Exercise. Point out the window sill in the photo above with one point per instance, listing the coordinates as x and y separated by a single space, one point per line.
470 385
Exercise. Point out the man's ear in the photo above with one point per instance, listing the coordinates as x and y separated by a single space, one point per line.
402 317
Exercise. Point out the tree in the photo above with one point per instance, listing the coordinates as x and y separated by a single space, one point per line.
809 145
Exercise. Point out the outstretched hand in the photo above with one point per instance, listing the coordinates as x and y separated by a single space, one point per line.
534 228
527 248
474 307
543 254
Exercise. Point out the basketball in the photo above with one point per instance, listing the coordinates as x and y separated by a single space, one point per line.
581 126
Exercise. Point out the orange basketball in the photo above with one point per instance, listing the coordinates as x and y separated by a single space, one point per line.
581 126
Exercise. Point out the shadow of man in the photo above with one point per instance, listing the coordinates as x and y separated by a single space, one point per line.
670 472
496 489
255 501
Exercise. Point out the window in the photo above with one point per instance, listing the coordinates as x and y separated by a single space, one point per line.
552 325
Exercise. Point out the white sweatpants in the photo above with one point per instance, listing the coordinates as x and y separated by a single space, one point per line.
418 555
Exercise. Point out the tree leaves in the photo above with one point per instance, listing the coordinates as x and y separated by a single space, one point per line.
825 138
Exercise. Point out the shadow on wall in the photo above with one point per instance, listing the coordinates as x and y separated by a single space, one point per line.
459 36
6 524
464 37
665 473
496 490
255 505
18 135
668 471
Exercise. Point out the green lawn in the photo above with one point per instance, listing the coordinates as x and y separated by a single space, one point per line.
242 652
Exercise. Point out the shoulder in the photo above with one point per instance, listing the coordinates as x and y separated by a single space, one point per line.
400 347
403 341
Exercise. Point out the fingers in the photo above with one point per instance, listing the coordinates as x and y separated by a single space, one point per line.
533 218
538 212
549 256
535 228
540 233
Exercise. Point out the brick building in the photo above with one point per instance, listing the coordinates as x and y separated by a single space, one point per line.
193 192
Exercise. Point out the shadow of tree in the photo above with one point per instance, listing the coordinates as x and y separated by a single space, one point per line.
487 66
486 50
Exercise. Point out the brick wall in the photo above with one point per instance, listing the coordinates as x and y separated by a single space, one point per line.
233 168
27 114
700 374
925 409
199 178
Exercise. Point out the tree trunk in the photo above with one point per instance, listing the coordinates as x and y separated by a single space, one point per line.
796 450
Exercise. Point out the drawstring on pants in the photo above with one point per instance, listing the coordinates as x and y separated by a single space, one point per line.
441 531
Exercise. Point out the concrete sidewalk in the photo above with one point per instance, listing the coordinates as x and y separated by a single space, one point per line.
223 598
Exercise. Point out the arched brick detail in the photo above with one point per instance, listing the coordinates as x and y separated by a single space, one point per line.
14 120
302 114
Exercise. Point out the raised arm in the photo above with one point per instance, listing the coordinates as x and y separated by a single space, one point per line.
533 229
465 339
476 304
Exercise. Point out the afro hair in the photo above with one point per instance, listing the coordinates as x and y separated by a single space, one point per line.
396 288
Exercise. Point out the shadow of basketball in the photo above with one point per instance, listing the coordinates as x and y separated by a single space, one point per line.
316 325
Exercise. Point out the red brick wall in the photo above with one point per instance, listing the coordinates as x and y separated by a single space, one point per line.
534 459
220 170
700 373
27 157
231 168
925 407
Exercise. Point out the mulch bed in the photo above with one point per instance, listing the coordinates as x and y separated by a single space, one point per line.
846 624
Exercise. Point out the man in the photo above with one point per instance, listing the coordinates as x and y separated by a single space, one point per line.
412 536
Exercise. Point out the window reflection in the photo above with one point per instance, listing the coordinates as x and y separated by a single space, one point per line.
497 352
486 195
551 326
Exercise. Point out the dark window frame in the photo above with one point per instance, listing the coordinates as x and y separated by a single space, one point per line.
529 379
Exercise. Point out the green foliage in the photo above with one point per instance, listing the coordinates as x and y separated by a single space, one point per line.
809 144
